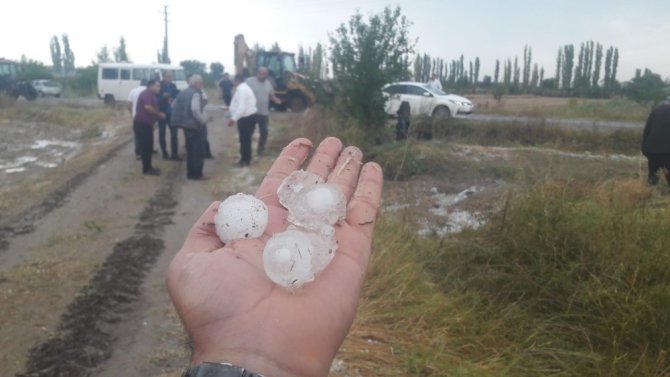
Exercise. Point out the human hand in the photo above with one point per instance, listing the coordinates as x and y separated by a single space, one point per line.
162 115
231 123
234 313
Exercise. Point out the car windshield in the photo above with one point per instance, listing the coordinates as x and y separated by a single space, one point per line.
433 90
289 64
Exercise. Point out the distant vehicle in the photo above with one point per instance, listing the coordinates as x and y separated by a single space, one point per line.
11 83
296 91
47 88
116 80
424 100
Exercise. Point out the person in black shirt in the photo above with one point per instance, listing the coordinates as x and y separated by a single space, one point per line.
226 86
656 142
167 94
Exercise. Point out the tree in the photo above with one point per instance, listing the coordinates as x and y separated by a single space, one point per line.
615 65
216 69
193 67
68 56
596 67
472 73
496 74
102 56
120 53
608 66
507 74
275 47
647 88
559 67
568 63
477 66
56 57
317 61
367 54
579 69
517 73
541 74
527 59
535 78
33 69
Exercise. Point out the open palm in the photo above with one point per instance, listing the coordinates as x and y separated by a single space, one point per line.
234 313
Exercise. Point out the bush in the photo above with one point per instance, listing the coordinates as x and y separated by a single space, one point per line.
586 270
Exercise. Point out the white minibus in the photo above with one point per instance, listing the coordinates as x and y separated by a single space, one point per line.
116 80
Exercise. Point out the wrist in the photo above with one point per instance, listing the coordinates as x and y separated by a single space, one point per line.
255 362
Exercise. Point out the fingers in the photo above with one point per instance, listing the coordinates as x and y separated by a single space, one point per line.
363 207
325 156
202 236
289 160
345 174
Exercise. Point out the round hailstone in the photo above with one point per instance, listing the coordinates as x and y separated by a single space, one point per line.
296 182
241 216
287 258
322 204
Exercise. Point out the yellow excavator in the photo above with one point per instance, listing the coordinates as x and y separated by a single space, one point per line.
290 86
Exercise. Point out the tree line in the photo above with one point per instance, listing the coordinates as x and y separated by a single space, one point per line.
581 77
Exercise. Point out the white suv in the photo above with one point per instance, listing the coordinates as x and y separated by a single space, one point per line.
424 100
47 88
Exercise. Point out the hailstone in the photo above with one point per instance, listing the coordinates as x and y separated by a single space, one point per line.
241 216
287 258
294 184
319 207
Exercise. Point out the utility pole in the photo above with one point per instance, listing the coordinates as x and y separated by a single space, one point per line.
165 56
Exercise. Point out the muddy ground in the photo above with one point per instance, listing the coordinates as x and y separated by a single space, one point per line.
82 290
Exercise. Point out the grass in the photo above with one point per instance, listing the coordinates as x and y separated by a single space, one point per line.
617 109
82 118
568 279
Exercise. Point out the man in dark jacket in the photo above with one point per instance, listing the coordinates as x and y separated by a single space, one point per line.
188 112
167 94
146 114
656 142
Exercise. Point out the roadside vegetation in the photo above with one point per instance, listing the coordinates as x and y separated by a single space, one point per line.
568 276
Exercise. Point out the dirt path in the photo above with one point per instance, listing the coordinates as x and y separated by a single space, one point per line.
83 294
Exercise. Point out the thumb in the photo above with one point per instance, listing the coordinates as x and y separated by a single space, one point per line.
202 236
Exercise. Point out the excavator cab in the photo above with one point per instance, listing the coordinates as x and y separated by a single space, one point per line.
280 66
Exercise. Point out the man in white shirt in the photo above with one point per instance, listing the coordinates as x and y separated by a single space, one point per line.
243 112
434 82
132 105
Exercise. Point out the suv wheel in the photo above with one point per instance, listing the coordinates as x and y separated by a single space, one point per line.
109 100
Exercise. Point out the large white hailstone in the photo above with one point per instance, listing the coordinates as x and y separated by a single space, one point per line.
318 207
294 184
287 258
325 246
241 216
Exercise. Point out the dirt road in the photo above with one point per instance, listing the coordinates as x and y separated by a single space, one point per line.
83 293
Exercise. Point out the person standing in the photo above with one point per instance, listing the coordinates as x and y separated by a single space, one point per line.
264 93
226 86
656 142
205 139
243 111
188 112
132 105
146 115
434 82
167 94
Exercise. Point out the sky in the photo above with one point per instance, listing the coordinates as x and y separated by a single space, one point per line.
204 30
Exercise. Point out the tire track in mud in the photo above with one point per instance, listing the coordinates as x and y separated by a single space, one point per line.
26 221
85 335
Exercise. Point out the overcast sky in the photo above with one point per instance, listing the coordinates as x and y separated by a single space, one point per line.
204 30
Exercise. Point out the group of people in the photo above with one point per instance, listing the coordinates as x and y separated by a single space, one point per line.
159 101
249 105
